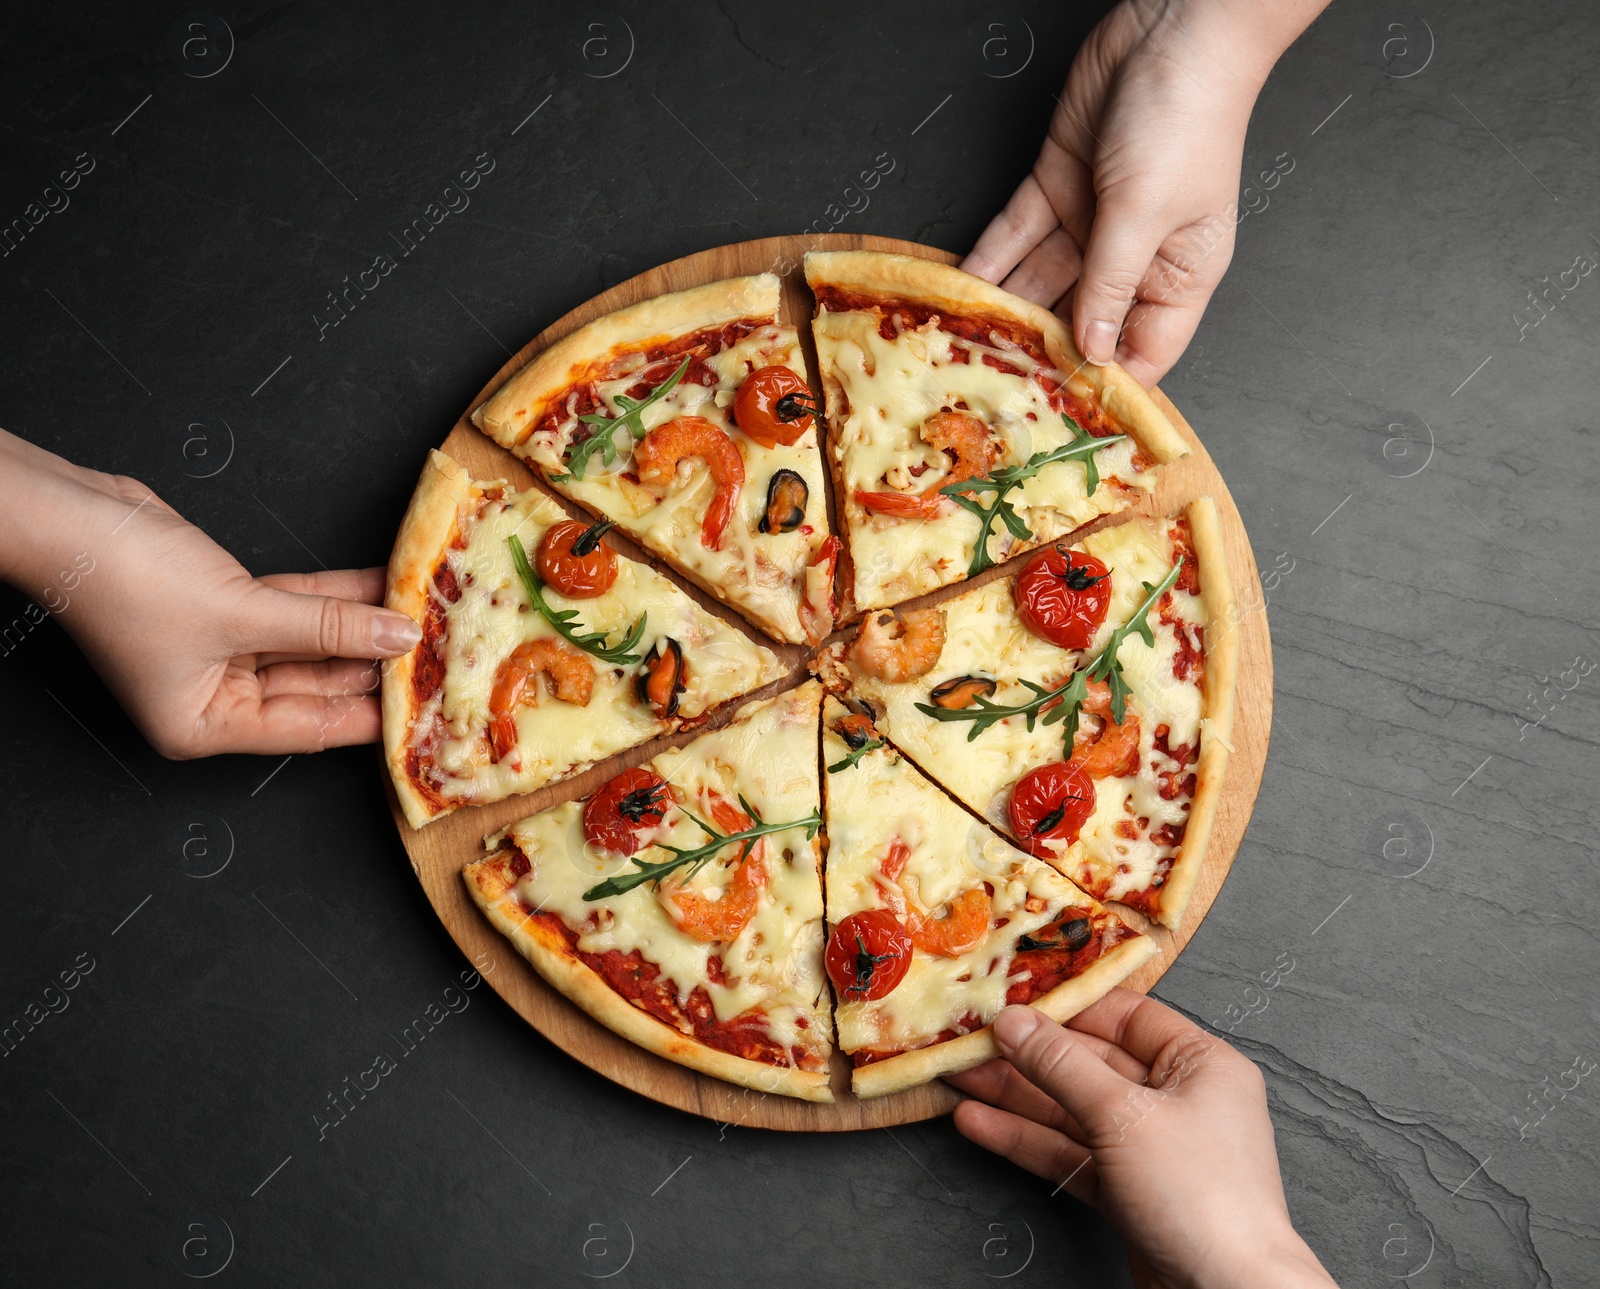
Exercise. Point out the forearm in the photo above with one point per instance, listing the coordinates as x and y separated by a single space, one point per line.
1244 38
1283 1262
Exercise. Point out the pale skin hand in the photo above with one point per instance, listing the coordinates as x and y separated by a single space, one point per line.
1125 225
204 657
1160 1125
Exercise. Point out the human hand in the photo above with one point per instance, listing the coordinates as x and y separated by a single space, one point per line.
1161 1126
1126 223
204 657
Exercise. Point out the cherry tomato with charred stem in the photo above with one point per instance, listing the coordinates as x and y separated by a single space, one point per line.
774 406
1051 804
1062 596
868 955
630 805
574 561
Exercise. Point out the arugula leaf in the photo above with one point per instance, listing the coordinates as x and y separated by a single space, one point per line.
565 620
1001 482
691 860
603 428
1066 700
854 758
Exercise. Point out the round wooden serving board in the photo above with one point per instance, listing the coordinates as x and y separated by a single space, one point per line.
439 851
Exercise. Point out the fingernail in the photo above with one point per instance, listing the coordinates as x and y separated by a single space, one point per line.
1100 342
1013 1025
394 633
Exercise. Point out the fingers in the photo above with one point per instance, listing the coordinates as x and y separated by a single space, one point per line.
1027 219
1139 1025
998 1084
1121 246
364 584
1062 1064
323 626
1042 1151
1047 270
335 678
302 723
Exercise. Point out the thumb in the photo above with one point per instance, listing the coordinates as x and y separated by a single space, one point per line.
325 626
1122 243
1057 1060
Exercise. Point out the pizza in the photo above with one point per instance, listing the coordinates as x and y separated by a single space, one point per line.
965 427
687 421
526 675
936 923
681 903
988 793
1083 704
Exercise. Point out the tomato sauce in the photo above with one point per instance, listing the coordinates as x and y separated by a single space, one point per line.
640 981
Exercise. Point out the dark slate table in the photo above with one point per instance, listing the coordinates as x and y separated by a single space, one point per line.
1413 457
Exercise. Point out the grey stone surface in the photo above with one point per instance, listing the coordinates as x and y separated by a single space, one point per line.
1427 474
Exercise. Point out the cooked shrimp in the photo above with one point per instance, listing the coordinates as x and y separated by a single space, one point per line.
899 646
719 920
1114 750
974 449
569 672
659 453
959 931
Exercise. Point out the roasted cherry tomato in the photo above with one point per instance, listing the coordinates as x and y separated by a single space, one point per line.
774 406
1062 596
574 561
868 954
631 804
1051 804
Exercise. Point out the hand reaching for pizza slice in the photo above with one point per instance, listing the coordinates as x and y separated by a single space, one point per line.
1160 1125
1125 225
204 657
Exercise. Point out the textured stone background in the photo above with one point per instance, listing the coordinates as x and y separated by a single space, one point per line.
1422 475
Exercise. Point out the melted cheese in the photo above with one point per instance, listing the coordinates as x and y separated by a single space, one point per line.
870 806
892 387
760 573
554 738
768 755
984 636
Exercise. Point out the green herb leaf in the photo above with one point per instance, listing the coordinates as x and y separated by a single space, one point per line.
1001 482
691 860
1066 700
855 756
603 429
565 621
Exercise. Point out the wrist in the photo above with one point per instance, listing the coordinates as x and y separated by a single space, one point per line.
51 513
1282 1261
1242 39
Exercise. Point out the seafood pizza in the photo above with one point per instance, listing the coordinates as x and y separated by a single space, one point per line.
958 812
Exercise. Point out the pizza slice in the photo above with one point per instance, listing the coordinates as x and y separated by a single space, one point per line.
687 421
543 650
1083 705
681 904
964 427
937 923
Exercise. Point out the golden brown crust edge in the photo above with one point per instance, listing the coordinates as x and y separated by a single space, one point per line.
551 959
509 415
1222 676
911 278
1067 999
425 532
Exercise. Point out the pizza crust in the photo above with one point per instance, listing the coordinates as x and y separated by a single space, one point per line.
1221 678
906 277
522 402
909 1069
430 522
552 959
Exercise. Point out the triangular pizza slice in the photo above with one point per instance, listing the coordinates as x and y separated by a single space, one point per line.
681 904
1083 705
964 426
936 923
687 421
543 650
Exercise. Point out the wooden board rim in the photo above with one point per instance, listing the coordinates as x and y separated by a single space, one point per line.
438 851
